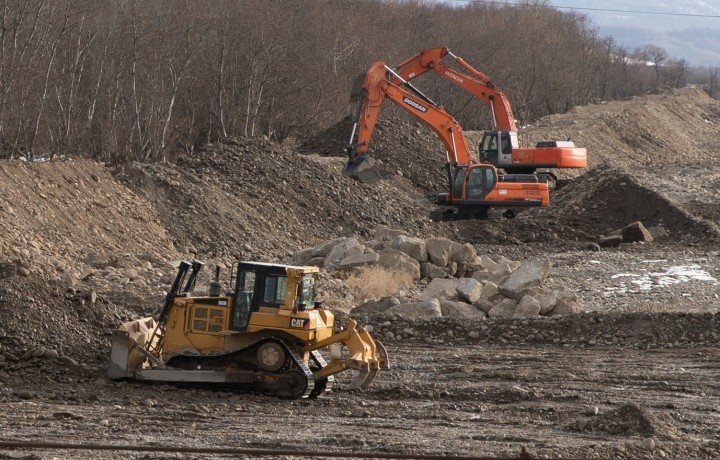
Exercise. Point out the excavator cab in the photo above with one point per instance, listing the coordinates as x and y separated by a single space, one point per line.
496 147
473 183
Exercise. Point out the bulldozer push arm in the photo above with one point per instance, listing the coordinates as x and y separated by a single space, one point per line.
364 355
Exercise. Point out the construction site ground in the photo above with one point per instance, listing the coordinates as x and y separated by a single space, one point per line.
85 246
466 399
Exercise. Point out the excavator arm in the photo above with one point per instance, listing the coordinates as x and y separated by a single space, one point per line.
474 82
513 158
381 84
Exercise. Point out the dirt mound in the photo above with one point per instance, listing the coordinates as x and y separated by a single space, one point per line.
674 128
401 145
256 198
62 218
38 315
606 199
628 420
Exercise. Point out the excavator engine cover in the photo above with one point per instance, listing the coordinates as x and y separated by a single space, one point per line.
364 169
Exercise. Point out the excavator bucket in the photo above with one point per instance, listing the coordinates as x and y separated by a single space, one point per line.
364 169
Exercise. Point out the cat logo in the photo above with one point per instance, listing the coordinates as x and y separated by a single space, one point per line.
299 323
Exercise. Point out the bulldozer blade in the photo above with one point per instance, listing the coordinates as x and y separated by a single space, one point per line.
363 169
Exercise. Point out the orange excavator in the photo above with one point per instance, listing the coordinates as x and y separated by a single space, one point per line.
500 145
473 187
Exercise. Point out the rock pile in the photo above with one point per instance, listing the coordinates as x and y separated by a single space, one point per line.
257 199
453 280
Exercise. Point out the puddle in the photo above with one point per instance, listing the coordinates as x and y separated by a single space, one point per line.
669 276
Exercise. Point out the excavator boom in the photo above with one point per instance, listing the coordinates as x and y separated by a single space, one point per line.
512 158
474 82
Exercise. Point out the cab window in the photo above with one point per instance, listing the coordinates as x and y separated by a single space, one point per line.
480 181
275 287
306 296
505 144
243 299
489 182
489 143
475 190
458 184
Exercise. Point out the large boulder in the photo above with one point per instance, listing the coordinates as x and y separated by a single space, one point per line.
460 310
464 255
324 248
431 271
547 301
440 250
658 232
505 309
485 261
440 288
485 276
345 248
356 260
394 260
469 289
386 234
303 256
417 310
379 306
567 304
527 307
531 273
414 247
484 305
489 291
636 232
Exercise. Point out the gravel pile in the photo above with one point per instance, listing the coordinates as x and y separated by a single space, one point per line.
607 199
254 198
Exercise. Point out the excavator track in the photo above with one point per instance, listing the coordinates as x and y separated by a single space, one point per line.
293 380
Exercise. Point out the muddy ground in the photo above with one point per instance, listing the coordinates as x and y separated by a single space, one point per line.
554 401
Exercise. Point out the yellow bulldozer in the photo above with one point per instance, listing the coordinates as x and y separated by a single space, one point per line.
262 336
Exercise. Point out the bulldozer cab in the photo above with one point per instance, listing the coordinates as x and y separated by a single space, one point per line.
496 147
271 286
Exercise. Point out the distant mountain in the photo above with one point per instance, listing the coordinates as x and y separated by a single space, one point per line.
695 39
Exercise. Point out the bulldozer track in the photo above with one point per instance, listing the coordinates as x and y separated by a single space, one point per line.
293 361
36 445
